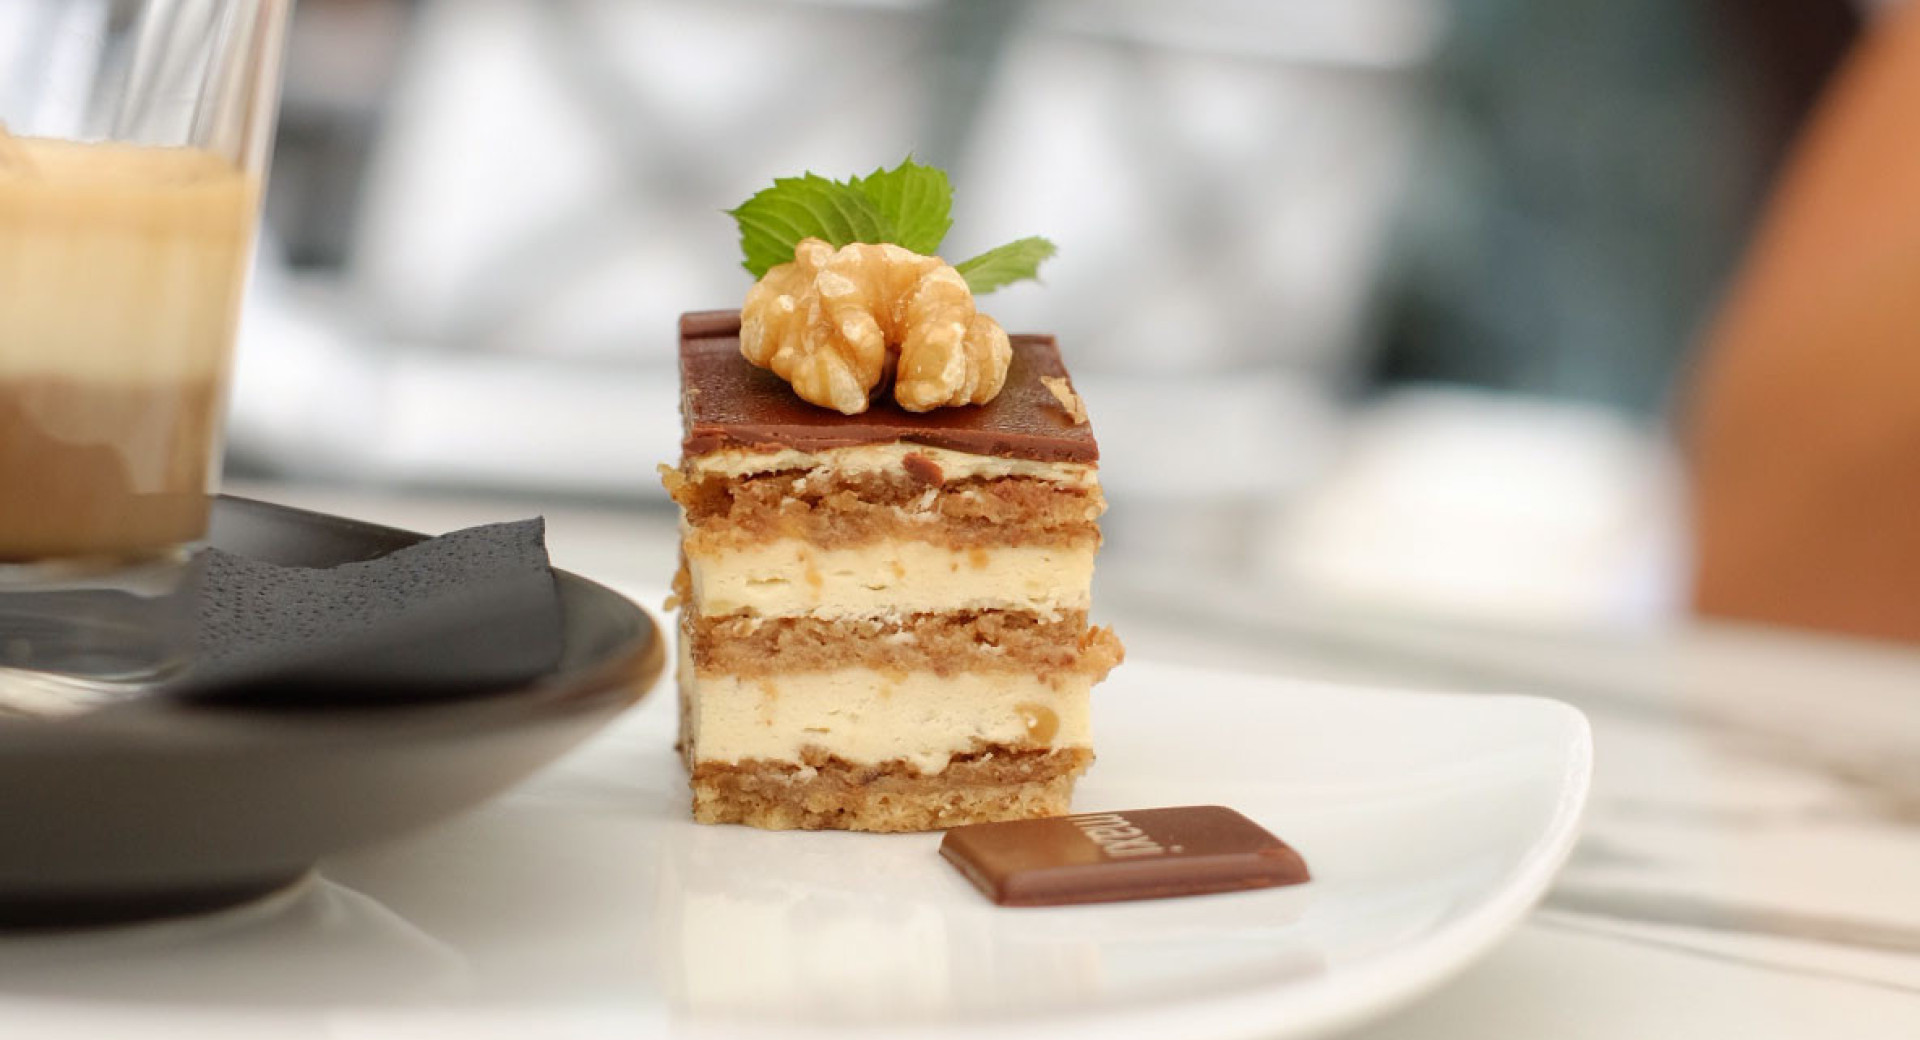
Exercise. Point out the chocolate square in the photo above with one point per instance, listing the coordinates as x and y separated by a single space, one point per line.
726 402
1113 856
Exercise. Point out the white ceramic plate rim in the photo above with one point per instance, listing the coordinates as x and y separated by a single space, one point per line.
1364 990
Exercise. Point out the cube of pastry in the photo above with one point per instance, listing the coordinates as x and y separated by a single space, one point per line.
884 615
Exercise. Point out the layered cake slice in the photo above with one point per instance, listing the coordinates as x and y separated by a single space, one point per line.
884 614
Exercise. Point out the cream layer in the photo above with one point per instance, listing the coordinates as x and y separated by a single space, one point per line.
867 717
788 577
123 264
869 459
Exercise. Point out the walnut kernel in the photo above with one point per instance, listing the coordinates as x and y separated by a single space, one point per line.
1070 401
828 322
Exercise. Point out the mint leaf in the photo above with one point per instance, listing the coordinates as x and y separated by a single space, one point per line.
1009 263
917 200
910 206
810 206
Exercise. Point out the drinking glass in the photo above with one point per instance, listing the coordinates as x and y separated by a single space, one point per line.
133 146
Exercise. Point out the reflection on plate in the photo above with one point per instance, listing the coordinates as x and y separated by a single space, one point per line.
586 904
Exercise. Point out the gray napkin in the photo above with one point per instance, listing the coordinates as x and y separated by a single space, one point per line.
465 613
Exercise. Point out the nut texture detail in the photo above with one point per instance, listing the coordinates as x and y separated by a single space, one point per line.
831 322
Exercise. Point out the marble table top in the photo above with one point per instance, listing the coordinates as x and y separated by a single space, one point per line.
1751 861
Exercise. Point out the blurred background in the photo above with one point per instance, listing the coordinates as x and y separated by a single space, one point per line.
1374 301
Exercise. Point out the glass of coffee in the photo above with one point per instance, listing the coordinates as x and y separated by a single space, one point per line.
133 146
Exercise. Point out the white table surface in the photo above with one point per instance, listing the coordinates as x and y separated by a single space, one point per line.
1751 861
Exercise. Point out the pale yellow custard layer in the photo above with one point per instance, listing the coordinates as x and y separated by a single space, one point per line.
792 578
867 717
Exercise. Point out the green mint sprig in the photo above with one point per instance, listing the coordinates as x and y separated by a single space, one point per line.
910 206
1002 265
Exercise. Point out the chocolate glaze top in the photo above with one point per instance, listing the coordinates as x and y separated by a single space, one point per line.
727 402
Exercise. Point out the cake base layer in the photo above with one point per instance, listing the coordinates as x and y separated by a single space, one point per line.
837 512
945 644
832 794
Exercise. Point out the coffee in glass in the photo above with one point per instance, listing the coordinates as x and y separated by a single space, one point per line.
130 172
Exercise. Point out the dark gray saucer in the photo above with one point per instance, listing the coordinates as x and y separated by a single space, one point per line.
161 807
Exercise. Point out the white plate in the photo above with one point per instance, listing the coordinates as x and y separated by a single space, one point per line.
586 904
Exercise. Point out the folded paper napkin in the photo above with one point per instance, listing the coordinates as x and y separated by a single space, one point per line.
465 613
